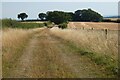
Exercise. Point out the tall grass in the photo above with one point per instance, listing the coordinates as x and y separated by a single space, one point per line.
13 44
15 36
0 53
0 49
101 48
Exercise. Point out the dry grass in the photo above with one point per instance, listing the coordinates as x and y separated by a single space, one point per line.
13 43
95 41
95 25
0 54
12 39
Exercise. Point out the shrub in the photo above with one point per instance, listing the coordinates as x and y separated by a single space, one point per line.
118 21
9 23
45 24
63 25
106 20
49 24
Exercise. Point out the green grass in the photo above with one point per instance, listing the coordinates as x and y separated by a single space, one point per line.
106 62
29 25
63 25
48 24
9 23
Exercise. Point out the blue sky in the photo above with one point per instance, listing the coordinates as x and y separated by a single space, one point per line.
11 9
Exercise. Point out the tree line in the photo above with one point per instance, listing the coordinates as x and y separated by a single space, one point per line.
59 17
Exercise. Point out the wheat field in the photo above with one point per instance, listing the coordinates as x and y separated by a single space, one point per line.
94 25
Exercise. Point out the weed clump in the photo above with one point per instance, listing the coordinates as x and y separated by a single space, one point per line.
106 61
49 24
63 25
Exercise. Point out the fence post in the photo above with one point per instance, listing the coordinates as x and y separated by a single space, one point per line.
106 33
92 28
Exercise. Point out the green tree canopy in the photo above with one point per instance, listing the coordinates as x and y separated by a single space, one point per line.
87 15
42 16
70 15
57 17
22 16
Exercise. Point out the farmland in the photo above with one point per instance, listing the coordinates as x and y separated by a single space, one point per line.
94 25
100 41
59 40
82 50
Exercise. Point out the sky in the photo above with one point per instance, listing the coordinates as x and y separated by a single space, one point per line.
12 9
59 0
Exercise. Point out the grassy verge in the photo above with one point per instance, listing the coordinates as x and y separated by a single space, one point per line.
15 37
13 43
106 62
91 46
110 65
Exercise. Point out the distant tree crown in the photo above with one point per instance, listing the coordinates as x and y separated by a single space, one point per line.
87 15
22 16
57 17
42 16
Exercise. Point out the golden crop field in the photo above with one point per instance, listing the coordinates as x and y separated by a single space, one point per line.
94 25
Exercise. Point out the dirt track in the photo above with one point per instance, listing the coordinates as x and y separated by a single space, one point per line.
50 57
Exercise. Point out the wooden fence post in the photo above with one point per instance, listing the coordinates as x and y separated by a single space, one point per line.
106 33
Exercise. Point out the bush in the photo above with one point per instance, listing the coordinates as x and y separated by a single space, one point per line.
45 24
107 20
9 23
49 24
63 25
118 21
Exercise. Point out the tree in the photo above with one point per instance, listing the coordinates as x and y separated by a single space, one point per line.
77 15
57 17
87 15
70 16
42 16
22 16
